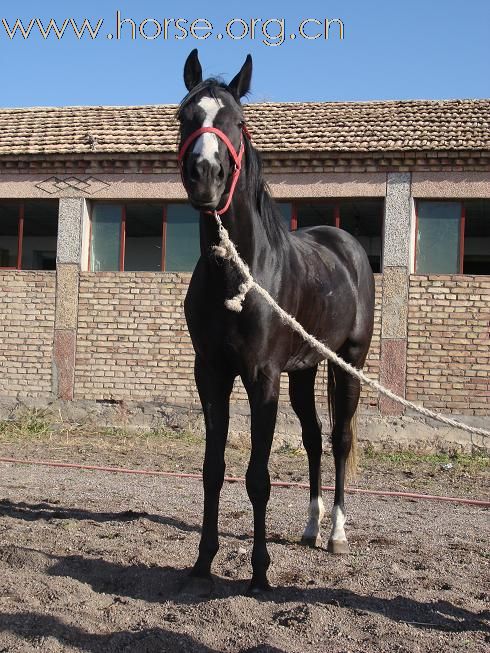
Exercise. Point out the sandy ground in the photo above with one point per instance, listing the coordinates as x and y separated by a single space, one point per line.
96 562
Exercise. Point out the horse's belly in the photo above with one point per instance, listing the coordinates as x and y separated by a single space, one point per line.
303 359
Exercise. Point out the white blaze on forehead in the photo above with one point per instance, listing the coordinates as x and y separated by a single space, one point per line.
207 144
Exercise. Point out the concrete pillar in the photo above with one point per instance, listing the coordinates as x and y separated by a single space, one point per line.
68 258
396 269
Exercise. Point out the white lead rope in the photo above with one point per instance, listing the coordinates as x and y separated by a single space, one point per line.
227 250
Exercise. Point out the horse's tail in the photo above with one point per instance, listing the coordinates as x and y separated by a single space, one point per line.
352 458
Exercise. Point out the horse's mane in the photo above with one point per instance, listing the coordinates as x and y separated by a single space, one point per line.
263 202
258 187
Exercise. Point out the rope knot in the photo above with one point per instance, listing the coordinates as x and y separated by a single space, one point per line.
221 251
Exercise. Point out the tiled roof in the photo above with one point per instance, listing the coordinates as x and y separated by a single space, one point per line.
275 127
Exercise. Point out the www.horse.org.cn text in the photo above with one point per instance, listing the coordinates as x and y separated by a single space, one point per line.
270 31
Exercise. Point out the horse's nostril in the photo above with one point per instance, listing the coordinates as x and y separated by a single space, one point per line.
221 173
194 171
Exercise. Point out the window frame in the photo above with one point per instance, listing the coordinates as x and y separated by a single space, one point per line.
462 225
337 203
293 224
293 221
20 232
122 244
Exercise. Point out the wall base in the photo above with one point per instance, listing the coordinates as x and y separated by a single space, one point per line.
407 433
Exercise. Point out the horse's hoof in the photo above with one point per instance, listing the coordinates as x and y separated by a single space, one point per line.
257 589
338 546
196 587
314 542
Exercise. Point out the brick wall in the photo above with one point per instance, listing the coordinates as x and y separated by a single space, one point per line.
132 338
27 304
133 343
448 362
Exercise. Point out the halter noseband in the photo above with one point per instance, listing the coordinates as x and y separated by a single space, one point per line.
236 156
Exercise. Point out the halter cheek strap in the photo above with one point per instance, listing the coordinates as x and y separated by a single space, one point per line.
236 156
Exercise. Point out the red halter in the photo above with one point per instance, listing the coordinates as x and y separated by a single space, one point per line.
237 158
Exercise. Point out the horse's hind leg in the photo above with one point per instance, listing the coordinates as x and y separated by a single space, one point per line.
302 395
344 391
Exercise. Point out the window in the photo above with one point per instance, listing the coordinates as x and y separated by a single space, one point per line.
143 239
453 237
144 236
285 209
476 251
28 234
182 246
363 218
317 213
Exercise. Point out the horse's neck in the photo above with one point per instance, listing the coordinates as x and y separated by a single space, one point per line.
245 228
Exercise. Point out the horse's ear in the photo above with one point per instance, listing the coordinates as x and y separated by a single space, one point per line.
192 71
240 84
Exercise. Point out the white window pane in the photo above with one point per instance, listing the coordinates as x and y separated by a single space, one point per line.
182 249
106 237
438 237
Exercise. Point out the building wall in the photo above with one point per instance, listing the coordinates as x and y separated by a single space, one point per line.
448 360
123 335
27 311
132 339
133 343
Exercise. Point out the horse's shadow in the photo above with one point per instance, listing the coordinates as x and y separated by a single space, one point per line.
48 511
165 583
30 624
26 624
44 510
153 584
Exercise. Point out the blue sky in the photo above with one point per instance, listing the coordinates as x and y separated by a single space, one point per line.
391 49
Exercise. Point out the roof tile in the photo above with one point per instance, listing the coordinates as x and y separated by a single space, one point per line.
275 127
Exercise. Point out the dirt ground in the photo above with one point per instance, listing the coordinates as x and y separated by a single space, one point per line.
96 562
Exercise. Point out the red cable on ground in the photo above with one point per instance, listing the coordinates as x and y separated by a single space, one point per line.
231 479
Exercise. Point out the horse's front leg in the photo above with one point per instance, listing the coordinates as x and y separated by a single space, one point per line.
214 385
263 395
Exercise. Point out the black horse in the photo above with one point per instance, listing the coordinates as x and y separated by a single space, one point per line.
320 275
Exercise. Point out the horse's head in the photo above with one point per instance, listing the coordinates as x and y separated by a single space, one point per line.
208 162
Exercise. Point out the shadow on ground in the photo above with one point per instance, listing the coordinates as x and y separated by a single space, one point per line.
151 640
49 511
164 583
